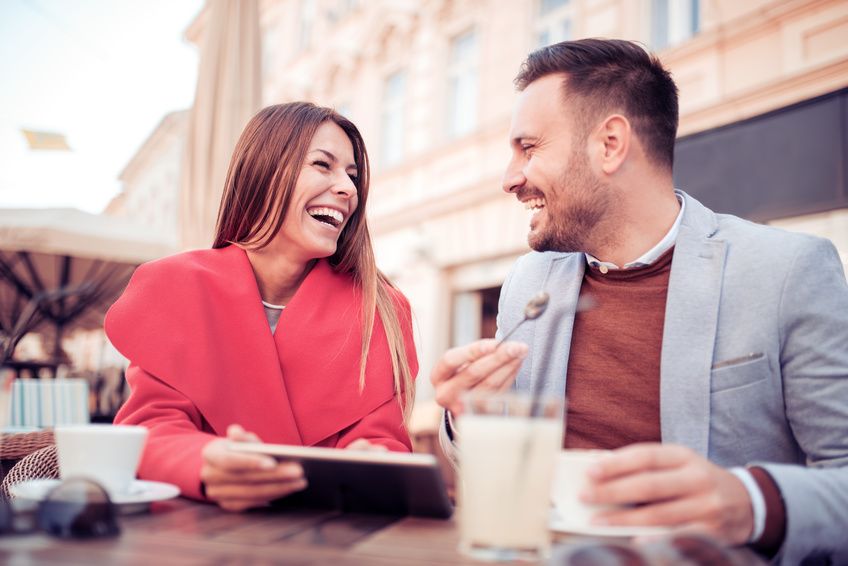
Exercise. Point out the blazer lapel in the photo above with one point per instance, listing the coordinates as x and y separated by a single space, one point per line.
552 340
694 292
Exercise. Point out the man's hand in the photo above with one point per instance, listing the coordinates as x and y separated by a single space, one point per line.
673 486
238 481
479 365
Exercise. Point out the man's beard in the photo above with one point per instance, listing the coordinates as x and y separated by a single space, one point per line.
575 209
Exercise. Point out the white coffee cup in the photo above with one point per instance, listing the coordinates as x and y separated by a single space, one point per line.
570 480
108 454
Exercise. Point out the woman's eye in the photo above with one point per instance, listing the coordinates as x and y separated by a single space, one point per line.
322 164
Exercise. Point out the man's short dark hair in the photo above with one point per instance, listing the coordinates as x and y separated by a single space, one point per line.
603 76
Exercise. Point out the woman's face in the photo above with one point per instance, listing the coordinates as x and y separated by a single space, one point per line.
324 197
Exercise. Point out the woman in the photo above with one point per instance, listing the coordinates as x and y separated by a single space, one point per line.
285 329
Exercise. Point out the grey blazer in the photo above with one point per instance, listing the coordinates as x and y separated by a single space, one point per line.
754 366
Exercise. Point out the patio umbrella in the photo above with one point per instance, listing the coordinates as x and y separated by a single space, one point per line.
228 94
61 268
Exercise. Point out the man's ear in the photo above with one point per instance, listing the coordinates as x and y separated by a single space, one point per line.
613 140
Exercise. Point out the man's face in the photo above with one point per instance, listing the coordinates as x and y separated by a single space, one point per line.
550 173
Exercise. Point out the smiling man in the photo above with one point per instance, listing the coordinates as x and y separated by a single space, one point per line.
715 363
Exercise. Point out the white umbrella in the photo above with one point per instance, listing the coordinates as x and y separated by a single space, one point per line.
228 94
61 268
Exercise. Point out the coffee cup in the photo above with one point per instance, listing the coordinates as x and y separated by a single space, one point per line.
107 454
570 480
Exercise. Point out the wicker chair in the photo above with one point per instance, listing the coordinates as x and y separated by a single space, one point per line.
35 453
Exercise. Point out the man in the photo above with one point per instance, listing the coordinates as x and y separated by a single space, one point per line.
715 362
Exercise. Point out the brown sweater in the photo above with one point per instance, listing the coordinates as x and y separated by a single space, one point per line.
613 385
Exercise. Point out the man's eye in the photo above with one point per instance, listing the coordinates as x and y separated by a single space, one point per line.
526 147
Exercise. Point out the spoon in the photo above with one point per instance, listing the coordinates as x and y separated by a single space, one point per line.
534 309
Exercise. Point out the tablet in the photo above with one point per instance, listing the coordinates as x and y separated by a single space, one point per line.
360 481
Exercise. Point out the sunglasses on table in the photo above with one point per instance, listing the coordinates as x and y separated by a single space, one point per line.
76 508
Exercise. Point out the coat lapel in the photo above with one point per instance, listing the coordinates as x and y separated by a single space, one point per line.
694 292
318 343
195 321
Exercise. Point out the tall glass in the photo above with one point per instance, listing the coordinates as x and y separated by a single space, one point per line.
507 456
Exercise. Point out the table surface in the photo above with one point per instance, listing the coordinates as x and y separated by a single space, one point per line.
180 532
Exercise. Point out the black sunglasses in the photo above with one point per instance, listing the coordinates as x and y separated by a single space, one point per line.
76 508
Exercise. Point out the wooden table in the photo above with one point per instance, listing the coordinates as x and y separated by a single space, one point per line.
180 532
183 532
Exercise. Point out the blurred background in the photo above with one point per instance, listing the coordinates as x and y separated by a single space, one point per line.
128 111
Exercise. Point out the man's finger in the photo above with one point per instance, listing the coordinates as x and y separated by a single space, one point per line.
503 377
646 487
485 367
452 360
639 458
674 513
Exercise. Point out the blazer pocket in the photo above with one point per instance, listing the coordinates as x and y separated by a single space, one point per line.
739 372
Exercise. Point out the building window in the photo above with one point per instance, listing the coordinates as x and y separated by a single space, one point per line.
307 21
340 9
462 85
673 21
344 109
475 315
394 92
269 48
553 23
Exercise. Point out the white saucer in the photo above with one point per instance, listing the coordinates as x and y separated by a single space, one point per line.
560 526
140 491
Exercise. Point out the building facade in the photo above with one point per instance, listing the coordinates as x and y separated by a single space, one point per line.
151 180
763 129
429 83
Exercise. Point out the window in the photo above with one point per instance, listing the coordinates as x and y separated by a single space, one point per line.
338 10
673 21
554 22
307 20
394 91
462 85
343 108
474 315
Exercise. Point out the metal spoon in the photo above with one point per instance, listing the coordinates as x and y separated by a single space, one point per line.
534 309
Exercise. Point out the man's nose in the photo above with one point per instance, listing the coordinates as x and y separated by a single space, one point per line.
513 179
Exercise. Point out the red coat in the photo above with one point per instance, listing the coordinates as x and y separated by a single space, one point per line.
202 357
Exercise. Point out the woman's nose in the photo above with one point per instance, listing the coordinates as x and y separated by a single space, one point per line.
345 186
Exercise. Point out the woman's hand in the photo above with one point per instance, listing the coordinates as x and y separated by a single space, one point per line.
362 444
239 481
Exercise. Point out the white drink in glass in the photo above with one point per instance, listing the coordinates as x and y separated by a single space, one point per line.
506 469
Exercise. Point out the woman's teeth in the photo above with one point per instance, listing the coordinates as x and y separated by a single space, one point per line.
326 215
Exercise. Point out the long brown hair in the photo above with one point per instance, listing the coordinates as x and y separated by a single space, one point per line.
260 181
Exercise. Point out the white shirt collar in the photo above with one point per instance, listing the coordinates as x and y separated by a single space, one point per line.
652 254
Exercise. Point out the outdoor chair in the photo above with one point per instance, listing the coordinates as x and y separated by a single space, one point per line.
31 455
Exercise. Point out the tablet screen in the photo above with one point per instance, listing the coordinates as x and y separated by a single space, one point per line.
390 483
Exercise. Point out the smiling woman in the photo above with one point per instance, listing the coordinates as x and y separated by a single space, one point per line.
285 330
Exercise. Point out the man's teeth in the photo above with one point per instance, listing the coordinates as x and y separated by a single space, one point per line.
330 213
534 203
